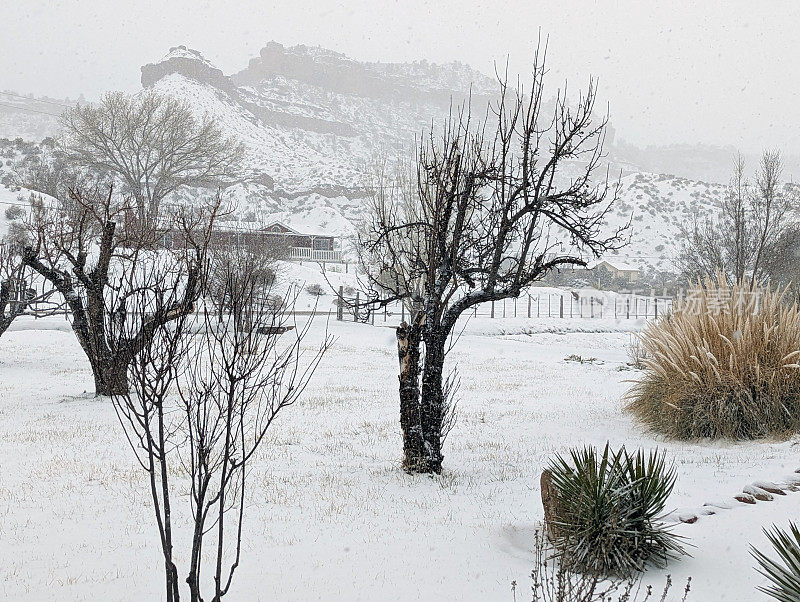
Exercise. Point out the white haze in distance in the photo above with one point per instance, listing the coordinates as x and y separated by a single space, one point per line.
693 71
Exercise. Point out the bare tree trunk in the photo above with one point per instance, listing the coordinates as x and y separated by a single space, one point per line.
5 322
408 351
171 571
7 301
193 579
110 376
432 405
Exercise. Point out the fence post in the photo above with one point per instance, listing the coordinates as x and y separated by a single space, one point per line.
402 312
655 301
591 307
628 308
549 297
340 305
355 309
636 307
538 312
492 314
646 307
570 305
504 307
561 306
385 312
529 305
515 307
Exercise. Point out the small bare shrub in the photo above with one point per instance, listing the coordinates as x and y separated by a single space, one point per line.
723 364
552 581
315 289
637 353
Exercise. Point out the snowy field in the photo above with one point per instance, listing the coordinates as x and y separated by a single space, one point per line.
330 514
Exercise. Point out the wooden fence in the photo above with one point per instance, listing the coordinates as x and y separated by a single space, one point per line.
546 305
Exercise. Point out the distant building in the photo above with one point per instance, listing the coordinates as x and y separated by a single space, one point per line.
615 269
299 246
313 247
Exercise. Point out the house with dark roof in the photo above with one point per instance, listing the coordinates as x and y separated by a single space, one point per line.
299 246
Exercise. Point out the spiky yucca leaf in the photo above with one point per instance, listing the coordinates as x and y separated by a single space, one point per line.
609 510
723 364
784 575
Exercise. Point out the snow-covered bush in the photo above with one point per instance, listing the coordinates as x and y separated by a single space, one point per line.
14 212
784 575
315 289
608 509
724 363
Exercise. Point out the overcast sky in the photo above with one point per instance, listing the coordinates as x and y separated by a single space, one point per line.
721 73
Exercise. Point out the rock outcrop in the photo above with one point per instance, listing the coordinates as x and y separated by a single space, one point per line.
189 63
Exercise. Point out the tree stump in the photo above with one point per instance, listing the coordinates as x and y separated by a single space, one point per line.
551 504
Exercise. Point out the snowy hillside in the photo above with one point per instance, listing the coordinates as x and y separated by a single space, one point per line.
312 120
29 117
656 205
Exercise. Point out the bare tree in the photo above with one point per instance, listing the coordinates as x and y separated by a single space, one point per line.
146 409
754 218
738 224
240 377
95 257
16 292
204 394
495 205
152 143
770 205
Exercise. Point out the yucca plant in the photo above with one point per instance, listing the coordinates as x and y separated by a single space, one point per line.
609 509
784 575
722 364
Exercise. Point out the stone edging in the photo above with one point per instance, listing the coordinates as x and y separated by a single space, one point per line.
757 491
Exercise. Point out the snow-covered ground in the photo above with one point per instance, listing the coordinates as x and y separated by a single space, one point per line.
331 516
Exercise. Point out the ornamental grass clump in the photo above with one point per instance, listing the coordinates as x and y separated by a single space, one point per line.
722 364
608 513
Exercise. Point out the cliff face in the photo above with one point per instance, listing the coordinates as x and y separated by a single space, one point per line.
189 63
407 82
